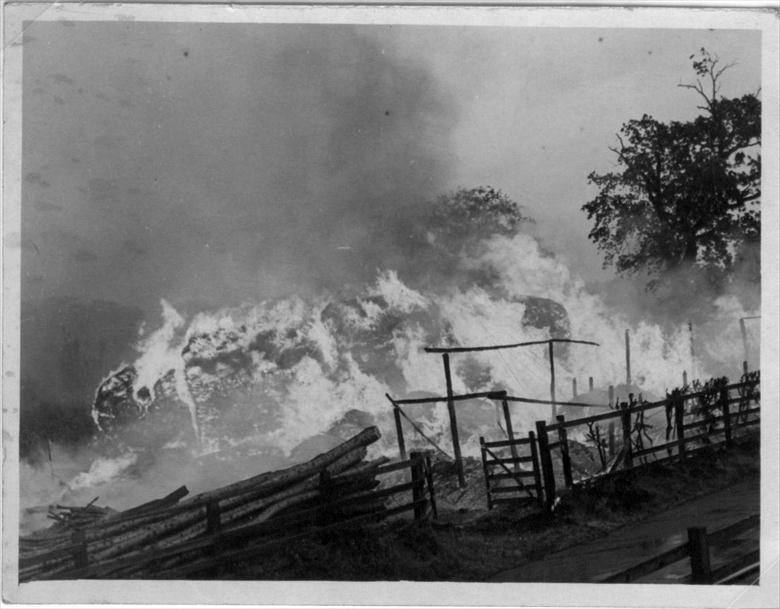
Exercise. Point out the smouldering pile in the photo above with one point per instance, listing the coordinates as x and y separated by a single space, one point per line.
166 536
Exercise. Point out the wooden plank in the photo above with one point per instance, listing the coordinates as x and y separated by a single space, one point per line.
506 346
738 567
491 395
507 443
732 530
509 460
501 490
509 476
516 500
649 566
656 448
393 467
514 398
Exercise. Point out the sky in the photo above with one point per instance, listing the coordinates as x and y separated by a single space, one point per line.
210 164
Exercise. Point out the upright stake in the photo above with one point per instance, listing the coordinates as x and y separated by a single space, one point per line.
418 482
611 438
537 467
453 421
510 433
565 458
699 551
685 378
628 359
693 352
574 387
611 395
679 421
546 462
590 383
743 330
724 407
554 410
625 419
399 432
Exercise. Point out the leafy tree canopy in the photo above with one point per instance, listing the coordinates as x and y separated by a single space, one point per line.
685 195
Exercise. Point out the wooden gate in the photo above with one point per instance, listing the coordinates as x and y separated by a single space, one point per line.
512 472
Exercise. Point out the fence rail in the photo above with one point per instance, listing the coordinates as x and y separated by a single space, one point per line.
697 549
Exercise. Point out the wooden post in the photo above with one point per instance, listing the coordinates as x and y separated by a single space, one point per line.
485 472
693 351
744 367
399 432
625 419
546 462
590 383
699 551
628 359
611 435
453 421
574 387
724 407
429 481
743 330
679 422
510 434
418 480
612 396
79 555
685 378
553 410
536 468
565 458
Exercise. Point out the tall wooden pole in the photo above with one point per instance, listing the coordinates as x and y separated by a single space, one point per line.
693 351
744 342
554 410
628 359
590 383
453 421
574 387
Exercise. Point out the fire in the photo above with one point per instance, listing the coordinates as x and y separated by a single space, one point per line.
280 372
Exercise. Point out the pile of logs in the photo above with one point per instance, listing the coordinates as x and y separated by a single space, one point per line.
167 535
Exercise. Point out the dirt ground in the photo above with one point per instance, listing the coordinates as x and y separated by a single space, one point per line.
469 543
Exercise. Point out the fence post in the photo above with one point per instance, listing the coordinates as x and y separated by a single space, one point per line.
724 407
536 467
590 383
699 551
510 434
573 387
611 436
418 481
399 432
429 481
546 463
552 380
679 422
744 367
628 359
453 421
685 378
485 472
625 419
79 541
611 396
565 459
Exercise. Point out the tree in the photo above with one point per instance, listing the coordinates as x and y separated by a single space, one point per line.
686 196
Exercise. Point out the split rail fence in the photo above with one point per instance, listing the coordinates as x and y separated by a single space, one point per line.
171 539
698 550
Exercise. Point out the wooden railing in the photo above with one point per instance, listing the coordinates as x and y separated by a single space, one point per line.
697 550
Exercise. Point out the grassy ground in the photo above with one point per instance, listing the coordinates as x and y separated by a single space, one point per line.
468 543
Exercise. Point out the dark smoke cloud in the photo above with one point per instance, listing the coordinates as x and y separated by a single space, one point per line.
211 163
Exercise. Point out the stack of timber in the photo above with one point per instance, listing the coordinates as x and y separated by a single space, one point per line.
166 536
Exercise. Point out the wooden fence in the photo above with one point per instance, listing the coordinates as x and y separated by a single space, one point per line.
203 533
697 550
629 436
